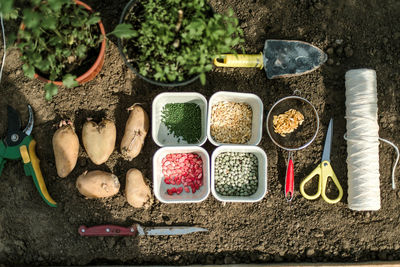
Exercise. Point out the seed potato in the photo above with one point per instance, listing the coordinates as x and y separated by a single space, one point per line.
136 130
66 148
97 184
99 140
137 191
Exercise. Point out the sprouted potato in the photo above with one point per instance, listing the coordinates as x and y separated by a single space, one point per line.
136 130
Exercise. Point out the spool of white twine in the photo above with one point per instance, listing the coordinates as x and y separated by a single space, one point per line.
363 141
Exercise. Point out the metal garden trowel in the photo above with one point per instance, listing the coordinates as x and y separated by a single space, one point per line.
280 58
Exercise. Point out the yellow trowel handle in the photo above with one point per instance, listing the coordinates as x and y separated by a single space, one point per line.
244 61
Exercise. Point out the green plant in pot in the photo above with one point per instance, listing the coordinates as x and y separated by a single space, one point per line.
61 42
173 42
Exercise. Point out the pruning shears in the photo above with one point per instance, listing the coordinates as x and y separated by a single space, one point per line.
19 144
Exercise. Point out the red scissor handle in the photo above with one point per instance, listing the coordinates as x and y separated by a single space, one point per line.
289 182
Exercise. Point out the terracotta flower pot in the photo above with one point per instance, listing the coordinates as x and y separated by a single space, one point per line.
98 64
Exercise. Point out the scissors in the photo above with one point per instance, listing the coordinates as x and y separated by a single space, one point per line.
324 171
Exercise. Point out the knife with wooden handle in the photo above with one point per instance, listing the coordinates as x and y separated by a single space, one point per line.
136 229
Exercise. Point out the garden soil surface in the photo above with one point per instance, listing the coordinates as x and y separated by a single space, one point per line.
354 34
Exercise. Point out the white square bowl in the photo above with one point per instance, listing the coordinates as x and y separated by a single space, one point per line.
262 173
160 188
256 106
159 130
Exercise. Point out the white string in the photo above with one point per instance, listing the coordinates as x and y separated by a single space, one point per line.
363 140
4 45
397 160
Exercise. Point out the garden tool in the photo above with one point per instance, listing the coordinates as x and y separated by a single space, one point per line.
300 138
324 171
20 145
280 58
136 229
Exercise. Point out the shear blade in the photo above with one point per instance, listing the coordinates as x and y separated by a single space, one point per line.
13 121
29 126
326 155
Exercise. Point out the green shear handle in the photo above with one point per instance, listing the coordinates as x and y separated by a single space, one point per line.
26 151
2 161
32 168
324 171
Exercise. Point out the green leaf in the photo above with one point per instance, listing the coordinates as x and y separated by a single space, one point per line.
65 53
203 78
93 20
65 20
81 51
31 18
12 14
55 4
43 65
77 23
53 75
24 35
6 6
69 81
158 76
35 58
55 40
48 95
28 70
11 39
124 31
208 67
171 77
143 72
51 90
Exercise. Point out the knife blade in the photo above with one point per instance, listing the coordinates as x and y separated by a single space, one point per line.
136 229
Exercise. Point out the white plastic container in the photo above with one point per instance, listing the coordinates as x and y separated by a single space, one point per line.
262 173
256 106
160 188
160 131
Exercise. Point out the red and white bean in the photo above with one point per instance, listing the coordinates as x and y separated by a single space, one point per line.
184 170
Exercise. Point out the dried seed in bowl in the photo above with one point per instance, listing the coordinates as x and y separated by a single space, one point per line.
231 122
236 174
183 170
287 122
183 120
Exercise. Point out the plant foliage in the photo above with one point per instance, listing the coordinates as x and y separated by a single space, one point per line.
56 39
6 7
169 47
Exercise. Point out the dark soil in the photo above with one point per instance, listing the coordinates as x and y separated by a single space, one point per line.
353 33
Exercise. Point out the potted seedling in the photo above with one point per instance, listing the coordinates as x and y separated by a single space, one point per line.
62 42
172 43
